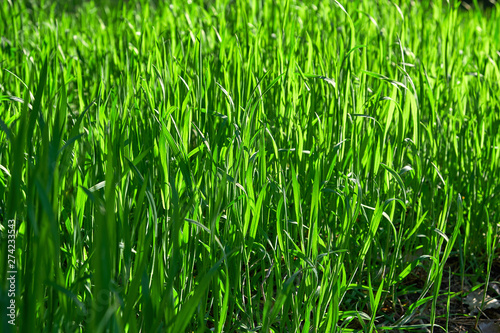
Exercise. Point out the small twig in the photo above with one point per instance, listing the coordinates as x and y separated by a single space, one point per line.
269 270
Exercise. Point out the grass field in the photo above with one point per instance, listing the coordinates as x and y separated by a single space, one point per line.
237 166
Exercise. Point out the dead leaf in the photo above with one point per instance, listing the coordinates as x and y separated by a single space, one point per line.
490 326
475 299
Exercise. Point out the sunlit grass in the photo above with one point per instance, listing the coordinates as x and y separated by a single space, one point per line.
272 166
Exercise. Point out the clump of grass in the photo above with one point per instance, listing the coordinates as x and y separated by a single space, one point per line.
248 166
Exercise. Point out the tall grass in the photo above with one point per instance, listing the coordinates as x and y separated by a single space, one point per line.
272 166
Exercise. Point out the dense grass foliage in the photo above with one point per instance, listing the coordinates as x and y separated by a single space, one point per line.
271 166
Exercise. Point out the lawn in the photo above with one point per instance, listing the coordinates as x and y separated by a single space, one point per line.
249 166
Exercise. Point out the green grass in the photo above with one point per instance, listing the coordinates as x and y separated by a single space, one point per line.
271 166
